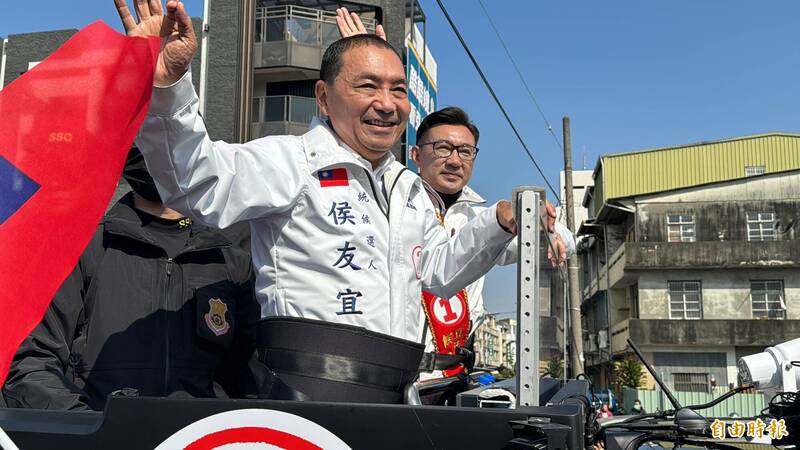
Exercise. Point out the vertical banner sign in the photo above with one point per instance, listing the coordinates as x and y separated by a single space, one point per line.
421 95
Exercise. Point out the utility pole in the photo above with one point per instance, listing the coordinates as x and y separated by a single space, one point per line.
572 263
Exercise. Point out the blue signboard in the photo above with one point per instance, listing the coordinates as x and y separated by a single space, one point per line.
421 95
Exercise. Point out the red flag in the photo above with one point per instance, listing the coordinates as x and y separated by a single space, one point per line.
66 128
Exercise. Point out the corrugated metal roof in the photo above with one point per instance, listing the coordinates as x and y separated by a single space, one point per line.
647 171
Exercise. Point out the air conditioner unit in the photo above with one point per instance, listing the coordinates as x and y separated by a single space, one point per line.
602 339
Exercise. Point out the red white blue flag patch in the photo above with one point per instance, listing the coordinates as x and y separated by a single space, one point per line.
333 177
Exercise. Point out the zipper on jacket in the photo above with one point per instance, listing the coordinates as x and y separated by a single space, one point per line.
375 194
391 189
167 343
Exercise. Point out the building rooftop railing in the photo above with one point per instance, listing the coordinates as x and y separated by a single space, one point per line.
300 24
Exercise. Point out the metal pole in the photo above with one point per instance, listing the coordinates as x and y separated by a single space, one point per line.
425 43
204 32
3 52
528 204
608 297
565 319
245 87
413 34
572 263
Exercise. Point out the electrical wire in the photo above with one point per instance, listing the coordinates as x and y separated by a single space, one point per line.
496 99
519 73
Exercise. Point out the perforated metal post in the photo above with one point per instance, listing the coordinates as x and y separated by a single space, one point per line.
528 204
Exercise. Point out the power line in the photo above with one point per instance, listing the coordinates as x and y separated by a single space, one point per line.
496 99
519 73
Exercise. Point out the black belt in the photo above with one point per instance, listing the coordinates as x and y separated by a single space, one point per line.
441 361
336 368
309 355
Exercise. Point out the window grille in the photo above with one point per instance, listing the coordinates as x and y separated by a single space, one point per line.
685 300
767 299
761 226
680 228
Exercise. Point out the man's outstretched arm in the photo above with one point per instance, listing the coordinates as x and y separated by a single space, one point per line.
215 183
451 263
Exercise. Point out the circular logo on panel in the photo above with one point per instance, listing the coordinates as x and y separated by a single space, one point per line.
253 429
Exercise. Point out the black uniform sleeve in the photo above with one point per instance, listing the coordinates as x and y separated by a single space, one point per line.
38 377
236 375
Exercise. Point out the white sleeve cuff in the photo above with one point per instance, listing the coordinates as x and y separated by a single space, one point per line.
168 100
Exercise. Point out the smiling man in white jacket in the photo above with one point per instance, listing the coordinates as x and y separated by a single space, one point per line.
341 232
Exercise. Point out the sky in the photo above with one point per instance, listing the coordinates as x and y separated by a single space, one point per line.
630 75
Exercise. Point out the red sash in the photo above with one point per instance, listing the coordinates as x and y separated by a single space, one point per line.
449 324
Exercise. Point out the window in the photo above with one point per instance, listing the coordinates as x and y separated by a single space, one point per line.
760 226
690 382
680 228
685 300
751 171
767 299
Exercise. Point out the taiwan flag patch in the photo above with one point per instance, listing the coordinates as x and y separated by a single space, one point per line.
333 177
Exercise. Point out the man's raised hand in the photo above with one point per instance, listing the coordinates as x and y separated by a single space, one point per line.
505 216
178 41
350 24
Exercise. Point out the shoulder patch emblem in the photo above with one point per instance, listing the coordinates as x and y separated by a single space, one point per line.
215 317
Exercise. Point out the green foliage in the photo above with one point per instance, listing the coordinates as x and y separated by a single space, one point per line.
555 367
629 373
504 372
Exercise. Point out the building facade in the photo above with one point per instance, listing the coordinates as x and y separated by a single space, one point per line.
20 52
508 329
692 252
582 181
489 343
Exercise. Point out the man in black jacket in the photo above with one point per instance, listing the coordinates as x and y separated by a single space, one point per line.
156 306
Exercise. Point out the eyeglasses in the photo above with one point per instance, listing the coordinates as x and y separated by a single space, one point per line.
443 149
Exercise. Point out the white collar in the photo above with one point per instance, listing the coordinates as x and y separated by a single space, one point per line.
470 196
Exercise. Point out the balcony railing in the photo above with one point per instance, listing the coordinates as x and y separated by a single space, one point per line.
728 254
712 332
294 36
284 108
300 25
282 114
633 256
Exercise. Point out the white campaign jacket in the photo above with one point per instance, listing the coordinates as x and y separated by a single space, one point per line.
332 239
